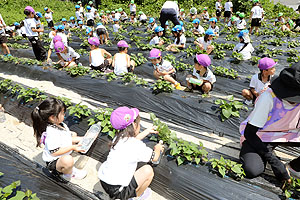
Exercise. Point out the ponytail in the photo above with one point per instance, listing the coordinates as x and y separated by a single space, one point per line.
40 116
127 132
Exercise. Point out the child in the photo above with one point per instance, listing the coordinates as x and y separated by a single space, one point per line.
204 15
218 9
37 18
163 68
90 32
67 56
49 17
89 17
93 10
228 11
65 23
59 141
124 16
118 175
32 34
102 33
132 18
152 25
181 15
241 23
213 26
260 81
80 25
232 22
182 26
180 39
81 8
118 14
142 17
257 13
113 15
204 43
198 29
121 61
72 24
78 14
53 32
18 31
193 13
55 39
99 59
280 20
156 40
103 18
116 26
132 8
3 38
244 47
201 71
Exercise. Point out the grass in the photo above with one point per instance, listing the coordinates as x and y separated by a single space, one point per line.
12 10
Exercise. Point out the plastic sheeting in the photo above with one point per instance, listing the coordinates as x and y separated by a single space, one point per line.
34 177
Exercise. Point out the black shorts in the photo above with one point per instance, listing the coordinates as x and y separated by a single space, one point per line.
101 31
90 22
133 13
254 97
199 87
143 21
227 13
116 192
101 67
173 75
218 13
3 39
50 24
52 166
256 22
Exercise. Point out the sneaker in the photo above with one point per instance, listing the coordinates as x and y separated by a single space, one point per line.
188 89
291 171
8 55
178 87
146 195
248 102
76 174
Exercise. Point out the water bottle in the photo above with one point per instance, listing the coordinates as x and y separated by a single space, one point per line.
195 81
90 136
2 116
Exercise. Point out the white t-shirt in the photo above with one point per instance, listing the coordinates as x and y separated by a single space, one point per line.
49 14
51 34
120 64
215 30
101 26
241 24
73 25
282 20
78 15
19 32
165 66
70 55
96 57
154 40
257 12
152 27
172 5
182 40
228 6
93 10
246 52
205 16
116 27
143 17
89 15
29 23
205 44
124 16
117 15
2 30
132 7
122 161
209 76
257 84
200 29
218 6
56 138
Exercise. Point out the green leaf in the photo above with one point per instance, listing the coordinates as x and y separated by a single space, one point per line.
226 112
180 160
287 194
19 195
105 129
197 160
222 171
236 169
218 101
235 114
1 174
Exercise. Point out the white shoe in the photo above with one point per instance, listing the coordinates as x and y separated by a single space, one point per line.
146 195
76 174
248 102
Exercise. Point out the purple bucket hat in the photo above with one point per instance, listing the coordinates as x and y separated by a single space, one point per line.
266 63
29 8
154 53
59 47
57 38
203 59
122 43
122 117
94 41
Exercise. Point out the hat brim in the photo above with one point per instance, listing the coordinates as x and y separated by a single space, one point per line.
284 92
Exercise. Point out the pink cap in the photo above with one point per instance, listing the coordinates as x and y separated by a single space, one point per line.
266 63
122 43
154 53
29 8
203 59
57 38
59 47
122 117
94 41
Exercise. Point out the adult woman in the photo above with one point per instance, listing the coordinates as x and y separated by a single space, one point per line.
274 121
